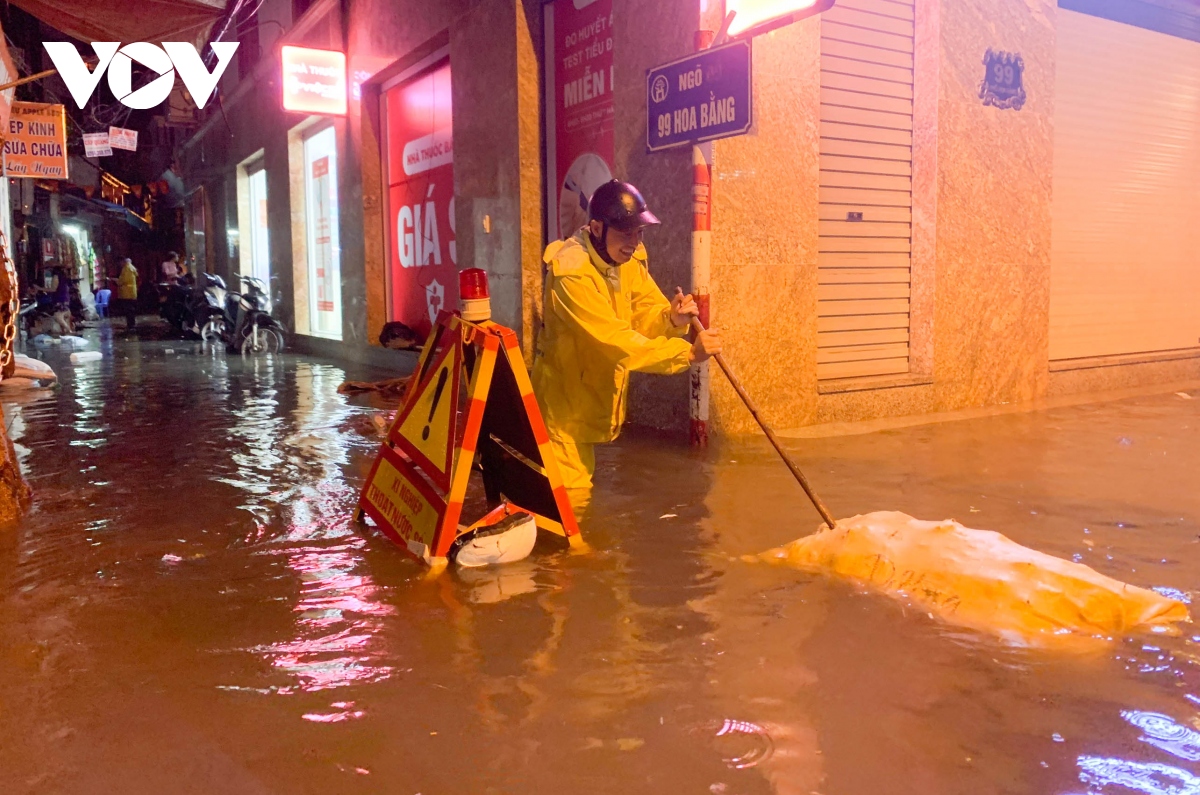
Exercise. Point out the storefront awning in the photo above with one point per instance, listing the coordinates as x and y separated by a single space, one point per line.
128 20
8 73
124 213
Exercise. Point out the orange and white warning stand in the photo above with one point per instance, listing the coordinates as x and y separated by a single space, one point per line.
415 490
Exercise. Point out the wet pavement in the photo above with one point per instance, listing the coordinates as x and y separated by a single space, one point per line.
189 608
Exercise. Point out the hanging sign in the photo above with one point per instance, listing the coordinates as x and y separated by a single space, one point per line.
36 145
699 98
119 138
415 491
96 145
314 81
581 116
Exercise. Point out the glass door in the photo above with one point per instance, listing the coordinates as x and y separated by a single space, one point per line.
324 254
260 252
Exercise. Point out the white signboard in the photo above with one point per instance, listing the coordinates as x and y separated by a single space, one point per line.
96 145
119 138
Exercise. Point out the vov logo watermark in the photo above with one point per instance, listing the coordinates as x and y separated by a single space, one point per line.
171 57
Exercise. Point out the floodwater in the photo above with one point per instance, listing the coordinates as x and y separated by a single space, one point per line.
189 608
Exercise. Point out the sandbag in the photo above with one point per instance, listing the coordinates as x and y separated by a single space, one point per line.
29 372
979 579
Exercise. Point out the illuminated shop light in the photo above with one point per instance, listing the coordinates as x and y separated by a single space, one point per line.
314 81
759 16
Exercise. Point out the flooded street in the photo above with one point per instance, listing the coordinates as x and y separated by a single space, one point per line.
190 608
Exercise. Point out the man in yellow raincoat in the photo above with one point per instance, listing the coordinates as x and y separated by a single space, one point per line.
604 317
127 292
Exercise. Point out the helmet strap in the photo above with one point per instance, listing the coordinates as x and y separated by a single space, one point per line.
601 244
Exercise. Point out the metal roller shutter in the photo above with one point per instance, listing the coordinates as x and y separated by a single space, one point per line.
866 188
1125 246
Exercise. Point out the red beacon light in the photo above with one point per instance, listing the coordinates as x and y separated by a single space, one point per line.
475 300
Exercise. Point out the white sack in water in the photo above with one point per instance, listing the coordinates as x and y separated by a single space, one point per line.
979 579
30 372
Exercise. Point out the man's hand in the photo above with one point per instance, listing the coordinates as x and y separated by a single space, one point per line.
683 308
708 343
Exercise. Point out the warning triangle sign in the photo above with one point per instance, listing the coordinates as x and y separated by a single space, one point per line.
426 430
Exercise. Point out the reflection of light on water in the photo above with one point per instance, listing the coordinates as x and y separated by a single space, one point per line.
338 616
85 422
1152 778
1173 593
1148 777
259 465
739 733
338 613
345 711
1165 734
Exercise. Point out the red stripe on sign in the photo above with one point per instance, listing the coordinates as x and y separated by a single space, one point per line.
701 198
535 419
474 423
449 530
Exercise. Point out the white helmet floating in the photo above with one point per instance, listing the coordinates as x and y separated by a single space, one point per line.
510 539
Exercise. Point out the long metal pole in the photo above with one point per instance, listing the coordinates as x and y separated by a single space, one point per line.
29 79
741 391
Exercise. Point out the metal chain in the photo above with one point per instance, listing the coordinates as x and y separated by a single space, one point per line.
10 308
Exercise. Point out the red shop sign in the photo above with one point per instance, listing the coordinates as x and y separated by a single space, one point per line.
422 260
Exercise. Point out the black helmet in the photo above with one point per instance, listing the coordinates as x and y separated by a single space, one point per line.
620 205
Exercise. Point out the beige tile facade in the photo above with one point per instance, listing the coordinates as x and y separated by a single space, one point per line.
982 219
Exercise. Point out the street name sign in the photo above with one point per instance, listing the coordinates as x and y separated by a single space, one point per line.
699 98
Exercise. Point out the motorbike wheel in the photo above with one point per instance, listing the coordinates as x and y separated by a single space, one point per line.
262 340
213 331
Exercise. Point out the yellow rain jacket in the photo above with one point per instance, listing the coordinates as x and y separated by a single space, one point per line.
601 322
127 283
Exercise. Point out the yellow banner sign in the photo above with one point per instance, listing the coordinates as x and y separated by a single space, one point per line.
36 145
400 502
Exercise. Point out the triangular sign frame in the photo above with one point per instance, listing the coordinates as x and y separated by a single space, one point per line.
447 370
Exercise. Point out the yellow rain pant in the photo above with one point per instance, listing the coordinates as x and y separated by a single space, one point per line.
576 463
979 579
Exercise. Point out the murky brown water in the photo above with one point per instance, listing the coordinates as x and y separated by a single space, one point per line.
190 609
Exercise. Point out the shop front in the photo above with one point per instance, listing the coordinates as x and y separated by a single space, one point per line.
422 272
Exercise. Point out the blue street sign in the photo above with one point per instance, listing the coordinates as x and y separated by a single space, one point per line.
699 98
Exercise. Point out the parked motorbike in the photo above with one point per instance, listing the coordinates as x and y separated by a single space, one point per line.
242 321
255 330
211 309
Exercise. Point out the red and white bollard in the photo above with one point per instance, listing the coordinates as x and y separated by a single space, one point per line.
701 259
